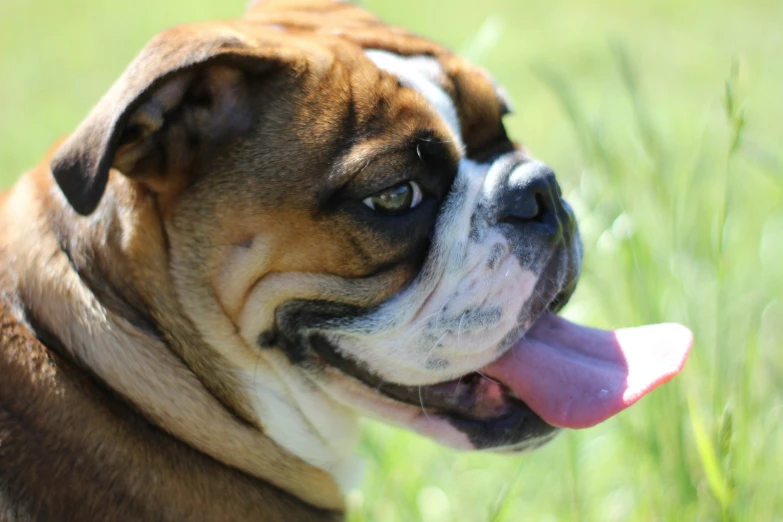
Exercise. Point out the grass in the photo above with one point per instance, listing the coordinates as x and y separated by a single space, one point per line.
663 121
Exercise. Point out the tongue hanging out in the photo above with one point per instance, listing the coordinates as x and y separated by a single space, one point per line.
575 377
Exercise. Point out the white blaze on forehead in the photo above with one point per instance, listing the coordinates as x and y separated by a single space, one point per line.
421 73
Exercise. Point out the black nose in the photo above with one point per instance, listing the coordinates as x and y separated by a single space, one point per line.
532 200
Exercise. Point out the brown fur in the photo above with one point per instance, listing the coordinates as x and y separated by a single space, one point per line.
72 451
114 403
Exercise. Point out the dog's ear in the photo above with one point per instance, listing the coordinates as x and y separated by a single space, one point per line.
186 92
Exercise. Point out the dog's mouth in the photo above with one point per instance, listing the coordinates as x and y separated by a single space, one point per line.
485 409
559 374
472 396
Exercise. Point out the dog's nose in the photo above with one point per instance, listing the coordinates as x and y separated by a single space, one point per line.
533 200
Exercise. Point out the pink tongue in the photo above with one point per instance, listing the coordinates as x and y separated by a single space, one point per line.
575 377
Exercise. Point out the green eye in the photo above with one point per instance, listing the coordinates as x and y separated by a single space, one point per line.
396 199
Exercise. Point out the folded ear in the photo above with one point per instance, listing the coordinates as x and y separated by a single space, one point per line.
187 91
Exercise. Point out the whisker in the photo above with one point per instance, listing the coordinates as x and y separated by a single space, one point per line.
487 377
421 401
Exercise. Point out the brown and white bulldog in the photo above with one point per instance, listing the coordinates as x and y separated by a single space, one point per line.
267 228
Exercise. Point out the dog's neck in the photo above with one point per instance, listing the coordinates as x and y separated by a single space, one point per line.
83 288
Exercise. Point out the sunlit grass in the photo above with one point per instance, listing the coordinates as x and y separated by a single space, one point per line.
663 122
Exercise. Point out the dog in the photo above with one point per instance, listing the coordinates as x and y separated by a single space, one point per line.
267 228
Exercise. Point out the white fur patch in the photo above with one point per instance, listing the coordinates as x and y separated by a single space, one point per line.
421 73
453 318
303 420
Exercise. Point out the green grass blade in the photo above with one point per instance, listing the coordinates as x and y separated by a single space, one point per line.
708 458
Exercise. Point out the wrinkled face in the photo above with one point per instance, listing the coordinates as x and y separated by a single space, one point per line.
403 255
363 236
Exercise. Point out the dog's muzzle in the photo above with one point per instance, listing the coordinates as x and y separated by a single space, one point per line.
522 198
473 340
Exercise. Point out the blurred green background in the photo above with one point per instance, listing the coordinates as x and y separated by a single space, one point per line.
663 120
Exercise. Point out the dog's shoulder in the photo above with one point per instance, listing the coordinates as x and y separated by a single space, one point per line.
72 449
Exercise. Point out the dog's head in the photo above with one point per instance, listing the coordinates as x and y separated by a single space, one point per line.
347 223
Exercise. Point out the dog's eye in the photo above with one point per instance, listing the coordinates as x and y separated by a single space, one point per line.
396 199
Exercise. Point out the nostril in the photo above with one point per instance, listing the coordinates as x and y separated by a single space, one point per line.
527 206
543 209
524 208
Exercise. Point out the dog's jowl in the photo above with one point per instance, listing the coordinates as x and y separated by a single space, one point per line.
267 228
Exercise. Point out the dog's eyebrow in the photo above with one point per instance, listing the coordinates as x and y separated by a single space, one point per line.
355 161
347 168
